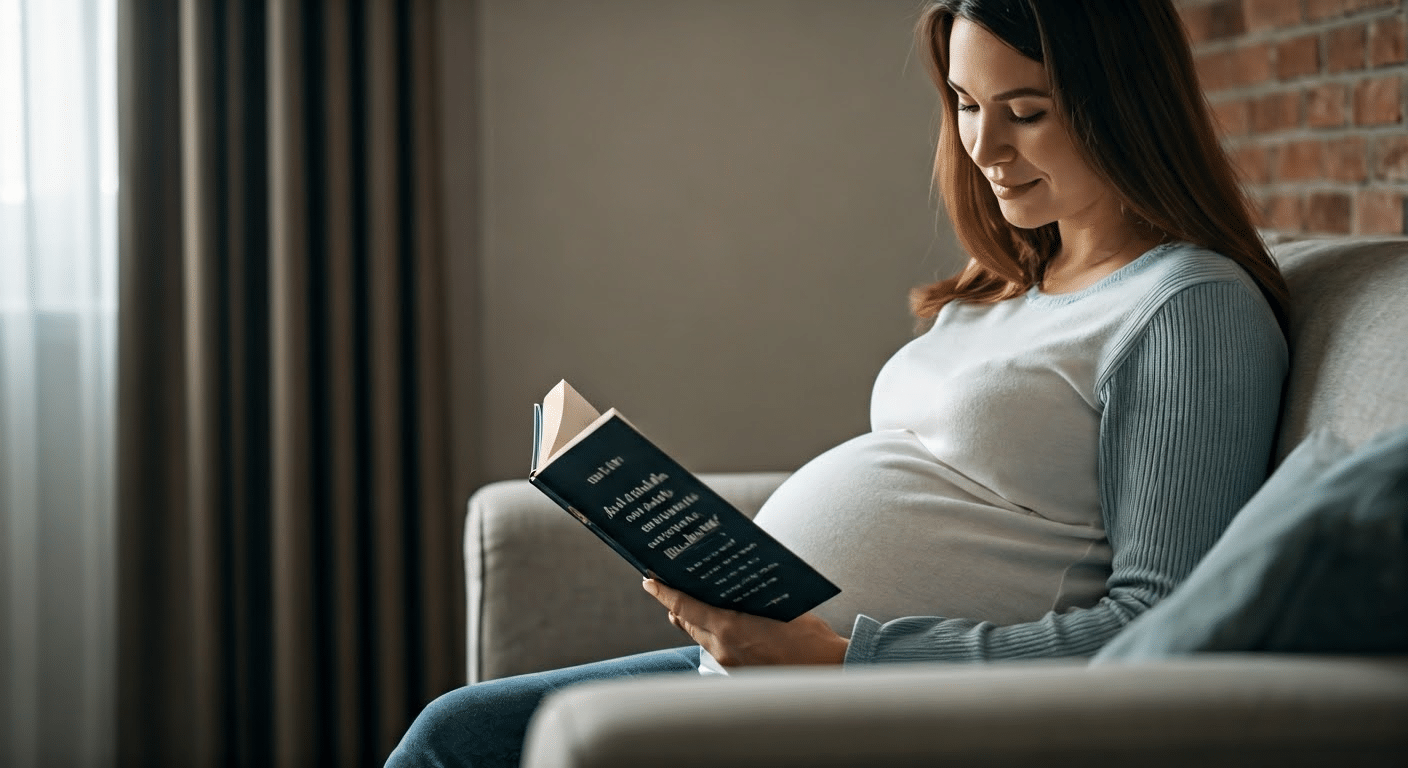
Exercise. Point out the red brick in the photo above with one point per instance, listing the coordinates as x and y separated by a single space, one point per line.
1346 48
1324 9
1391 158
1387 43
1325 106
1233 117
1253 163
1225 19
1300 161
1276 112
1283 212
1297 57
1254 64
1321 9
1378 101
1347 159
1197 19
1327 212
1247 65
1379 212
1268 14
1217 71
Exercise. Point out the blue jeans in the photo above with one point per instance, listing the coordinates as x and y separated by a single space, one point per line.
484 724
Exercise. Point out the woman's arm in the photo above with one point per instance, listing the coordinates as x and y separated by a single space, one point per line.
1186 438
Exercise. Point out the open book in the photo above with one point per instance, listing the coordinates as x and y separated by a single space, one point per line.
661 518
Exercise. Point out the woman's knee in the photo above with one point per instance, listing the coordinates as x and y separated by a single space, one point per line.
478 725
484 724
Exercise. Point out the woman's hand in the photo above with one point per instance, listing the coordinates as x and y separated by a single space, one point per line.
740 639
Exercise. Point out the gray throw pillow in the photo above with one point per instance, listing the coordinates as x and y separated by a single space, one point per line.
1317 561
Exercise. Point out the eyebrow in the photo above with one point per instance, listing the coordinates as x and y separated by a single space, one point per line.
1007 95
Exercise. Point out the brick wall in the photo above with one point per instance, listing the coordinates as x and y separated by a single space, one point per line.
1311 97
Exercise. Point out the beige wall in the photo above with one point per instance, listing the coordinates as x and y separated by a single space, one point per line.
704 213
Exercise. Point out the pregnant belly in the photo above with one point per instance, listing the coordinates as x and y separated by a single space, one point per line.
903 534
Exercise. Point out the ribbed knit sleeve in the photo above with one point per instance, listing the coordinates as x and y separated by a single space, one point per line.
1186 435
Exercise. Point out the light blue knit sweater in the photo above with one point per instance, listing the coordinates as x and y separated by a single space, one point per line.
1042 470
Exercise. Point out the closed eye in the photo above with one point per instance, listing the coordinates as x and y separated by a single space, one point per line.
1019 119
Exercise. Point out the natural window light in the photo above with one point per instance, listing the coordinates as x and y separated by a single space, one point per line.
58 155
58 330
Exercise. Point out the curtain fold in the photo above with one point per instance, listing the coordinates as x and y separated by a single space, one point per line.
288 583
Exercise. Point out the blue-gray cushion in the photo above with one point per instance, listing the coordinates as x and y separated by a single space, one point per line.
1317 561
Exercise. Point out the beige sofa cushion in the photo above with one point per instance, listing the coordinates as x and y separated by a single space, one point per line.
1208 710
1349 337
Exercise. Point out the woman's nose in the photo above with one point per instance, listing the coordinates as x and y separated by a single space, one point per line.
991 143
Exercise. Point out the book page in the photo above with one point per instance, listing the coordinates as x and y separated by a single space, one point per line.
565 414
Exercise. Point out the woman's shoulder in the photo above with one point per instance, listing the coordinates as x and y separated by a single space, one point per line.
1190 297
1172 269
1145 284
1180 265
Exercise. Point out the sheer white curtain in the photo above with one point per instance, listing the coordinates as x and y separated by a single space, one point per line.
58 186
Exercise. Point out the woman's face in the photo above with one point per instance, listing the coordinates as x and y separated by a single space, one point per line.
1008 125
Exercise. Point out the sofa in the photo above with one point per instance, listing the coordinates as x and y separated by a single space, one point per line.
543 593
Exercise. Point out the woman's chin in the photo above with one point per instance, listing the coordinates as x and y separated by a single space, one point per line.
1022 217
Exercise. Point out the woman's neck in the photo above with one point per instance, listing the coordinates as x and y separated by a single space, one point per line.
1089 254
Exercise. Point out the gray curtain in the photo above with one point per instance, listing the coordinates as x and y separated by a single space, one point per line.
288 582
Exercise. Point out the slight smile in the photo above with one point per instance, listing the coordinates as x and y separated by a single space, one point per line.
1008 193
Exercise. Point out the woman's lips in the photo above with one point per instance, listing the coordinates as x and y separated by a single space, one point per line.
1008 193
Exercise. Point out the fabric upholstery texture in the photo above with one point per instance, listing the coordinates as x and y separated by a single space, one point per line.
1349 322
1209 711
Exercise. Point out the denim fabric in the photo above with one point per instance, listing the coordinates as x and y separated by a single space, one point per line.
484 724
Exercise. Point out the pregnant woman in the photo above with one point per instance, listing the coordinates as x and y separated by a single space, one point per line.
1094 397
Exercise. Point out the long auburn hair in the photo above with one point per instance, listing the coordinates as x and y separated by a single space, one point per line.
1123 81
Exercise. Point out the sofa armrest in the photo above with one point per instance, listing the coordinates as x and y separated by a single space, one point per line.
544 593
1227 710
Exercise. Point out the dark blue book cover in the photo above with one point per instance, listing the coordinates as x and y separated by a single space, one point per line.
670 525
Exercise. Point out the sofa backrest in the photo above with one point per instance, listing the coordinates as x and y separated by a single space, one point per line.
1349 337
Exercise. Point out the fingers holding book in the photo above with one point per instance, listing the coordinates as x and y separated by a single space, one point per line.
738 639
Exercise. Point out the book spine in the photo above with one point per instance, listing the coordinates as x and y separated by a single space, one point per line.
593 527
